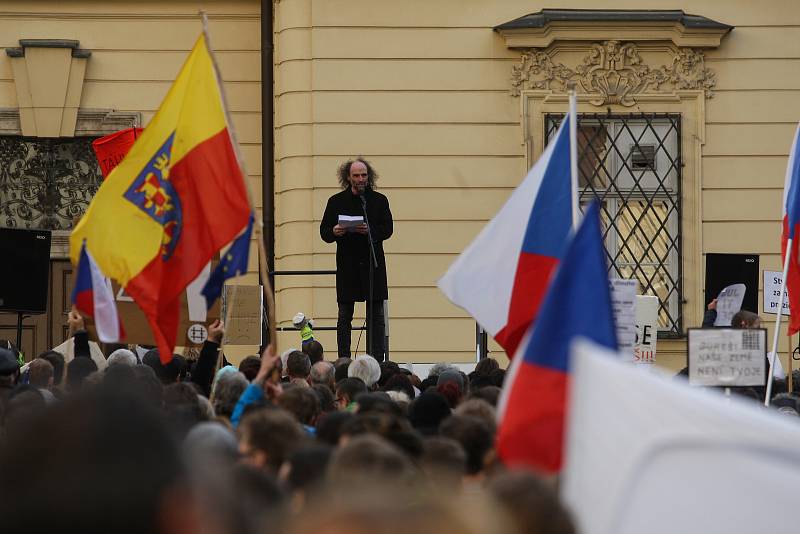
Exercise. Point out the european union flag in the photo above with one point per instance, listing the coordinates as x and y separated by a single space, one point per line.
233 263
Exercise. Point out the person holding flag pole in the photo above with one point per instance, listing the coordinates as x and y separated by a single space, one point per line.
791 263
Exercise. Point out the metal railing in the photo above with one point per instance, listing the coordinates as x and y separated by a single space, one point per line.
273 274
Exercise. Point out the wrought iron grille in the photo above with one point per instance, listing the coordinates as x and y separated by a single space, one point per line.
46 183
632 165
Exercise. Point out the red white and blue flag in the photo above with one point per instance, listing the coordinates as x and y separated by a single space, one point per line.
532 406
93 297
502 276
791 220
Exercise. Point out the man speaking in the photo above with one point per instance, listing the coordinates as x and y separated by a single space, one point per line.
360 268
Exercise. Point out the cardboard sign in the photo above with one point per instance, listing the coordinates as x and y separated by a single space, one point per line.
729 302
137 329
727 357
772 293
644 350
246 305
623 302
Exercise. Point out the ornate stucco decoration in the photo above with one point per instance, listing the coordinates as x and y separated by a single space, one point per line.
613 73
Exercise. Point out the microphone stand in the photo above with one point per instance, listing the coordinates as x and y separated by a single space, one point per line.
373 264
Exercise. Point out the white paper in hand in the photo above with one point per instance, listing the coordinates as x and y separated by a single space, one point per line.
729 302
350 222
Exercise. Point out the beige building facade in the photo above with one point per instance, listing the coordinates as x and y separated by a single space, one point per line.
452 101
453 108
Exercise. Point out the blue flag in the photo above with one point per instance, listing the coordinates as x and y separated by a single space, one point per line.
233 263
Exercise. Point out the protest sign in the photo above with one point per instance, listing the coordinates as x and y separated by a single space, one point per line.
729 302
772 293
190 330
644 350
193 314
111 149
623 302
243 306
727 357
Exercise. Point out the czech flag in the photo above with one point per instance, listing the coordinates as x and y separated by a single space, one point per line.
791 219
533 401
502 276
173 202
93 297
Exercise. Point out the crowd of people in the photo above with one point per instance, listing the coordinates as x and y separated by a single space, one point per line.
287 442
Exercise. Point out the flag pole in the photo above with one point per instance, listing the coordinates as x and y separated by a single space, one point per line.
573 155
791 357
259 224
778 322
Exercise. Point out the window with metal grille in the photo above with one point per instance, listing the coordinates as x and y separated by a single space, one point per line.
46 183
632 165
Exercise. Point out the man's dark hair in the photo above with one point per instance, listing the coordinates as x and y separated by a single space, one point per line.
308 465
167 373
40 372
329 427
302 403
392 427
428 411
327 401
473 434
182 408
377 401
388 370
367 458
350 388
486 366
77 371
744 319
531 503
314 350
249 367
498 376
275 432
56 359
490 394
341 366
105 441
400 382
443 458
343 173
148 385
298 364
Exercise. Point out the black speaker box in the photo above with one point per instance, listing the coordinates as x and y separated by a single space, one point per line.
723 270
24 270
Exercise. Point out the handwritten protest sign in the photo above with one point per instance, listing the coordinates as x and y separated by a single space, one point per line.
727 357
729 302
244 315
772 293
623 302
644 350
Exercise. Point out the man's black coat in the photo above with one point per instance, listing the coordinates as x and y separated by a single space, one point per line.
352 249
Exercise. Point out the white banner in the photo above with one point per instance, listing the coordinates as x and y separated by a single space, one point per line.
772 293
644 351
623 302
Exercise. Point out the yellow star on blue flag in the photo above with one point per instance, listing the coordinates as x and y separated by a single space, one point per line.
234 263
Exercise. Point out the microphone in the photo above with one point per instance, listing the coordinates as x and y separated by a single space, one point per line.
361 196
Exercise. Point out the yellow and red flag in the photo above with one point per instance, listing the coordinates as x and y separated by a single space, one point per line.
175 200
